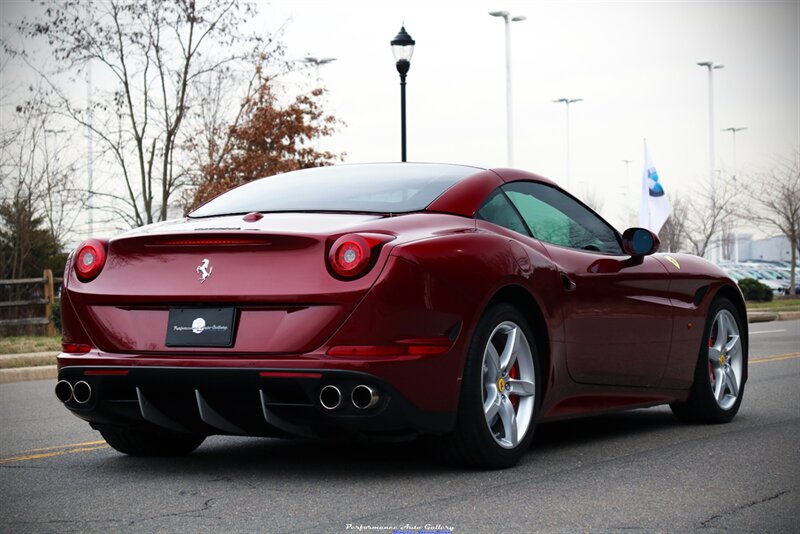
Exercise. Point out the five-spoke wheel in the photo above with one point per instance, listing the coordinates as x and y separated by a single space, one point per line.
499 392
721 369
509 384
725 359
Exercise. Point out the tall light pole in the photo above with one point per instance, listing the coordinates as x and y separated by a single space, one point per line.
509 114
89 150
627 163
733 130
317 62
402 49
89 141
567 102
711 68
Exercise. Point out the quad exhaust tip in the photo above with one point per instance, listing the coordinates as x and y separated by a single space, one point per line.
330 397
81 392
364 397
63 391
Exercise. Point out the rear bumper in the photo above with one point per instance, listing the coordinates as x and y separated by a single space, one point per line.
245 401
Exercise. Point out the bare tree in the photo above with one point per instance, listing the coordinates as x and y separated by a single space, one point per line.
774 204
156 54
727 240
673 233
707 213
593 199
38 203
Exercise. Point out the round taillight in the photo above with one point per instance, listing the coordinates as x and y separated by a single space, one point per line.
89 259
349 255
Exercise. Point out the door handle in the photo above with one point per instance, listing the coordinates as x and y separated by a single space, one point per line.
568 284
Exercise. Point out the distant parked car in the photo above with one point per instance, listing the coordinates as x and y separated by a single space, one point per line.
777 287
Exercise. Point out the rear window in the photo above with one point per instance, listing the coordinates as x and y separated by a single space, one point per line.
378 188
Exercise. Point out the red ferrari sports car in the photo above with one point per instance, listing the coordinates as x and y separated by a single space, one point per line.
390 301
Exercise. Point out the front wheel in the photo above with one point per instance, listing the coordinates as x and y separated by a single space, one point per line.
719 378
499 392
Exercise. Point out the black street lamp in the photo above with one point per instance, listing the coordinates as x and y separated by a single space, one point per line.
403 49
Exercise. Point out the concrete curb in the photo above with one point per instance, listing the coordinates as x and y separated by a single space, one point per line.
22 374
764 316
761 317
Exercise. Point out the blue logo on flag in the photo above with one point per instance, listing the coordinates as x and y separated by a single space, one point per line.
654 187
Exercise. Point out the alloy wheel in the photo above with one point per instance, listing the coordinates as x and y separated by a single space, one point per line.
725 359
509 384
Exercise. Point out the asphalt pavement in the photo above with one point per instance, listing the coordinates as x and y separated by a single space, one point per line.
639 471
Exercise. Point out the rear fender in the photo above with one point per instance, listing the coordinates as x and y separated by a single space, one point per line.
694 284
438 287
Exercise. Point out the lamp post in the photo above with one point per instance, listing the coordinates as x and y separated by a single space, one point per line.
711 66
89 150
509 117
317 62
402 49
567 102
627 163
733 130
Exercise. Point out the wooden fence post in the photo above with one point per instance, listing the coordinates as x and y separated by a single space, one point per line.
49 295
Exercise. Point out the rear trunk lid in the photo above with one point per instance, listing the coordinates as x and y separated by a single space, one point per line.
272 272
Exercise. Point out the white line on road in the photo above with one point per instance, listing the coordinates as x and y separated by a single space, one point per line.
766 332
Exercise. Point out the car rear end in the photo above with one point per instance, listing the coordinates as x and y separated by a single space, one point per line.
265 324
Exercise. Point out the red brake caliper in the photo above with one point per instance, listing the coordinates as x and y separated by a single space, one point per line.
514 373
711 369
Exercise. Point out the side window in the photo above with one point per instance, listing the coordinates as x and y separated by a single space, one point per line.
498 210
555 218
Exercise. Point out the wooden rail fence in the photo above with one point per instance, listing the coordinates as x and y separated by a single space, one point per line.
26 304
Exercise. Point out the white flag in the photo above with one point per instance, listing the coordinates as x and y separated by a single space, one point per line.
655 206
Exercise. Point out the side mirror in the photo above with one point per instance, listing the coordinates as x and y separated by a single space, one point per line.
639 242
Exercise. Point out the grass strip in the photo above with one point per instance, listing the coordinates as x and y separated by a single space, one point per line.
28 361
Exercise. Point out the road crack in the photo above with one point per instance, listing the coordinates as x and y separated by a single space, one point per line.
194 512
708 522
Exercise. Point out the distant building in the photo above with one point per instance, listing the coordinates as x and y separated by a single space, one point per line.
775 248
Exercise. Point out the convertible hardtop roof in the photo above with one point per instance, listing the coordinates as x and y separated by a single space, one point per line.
367 188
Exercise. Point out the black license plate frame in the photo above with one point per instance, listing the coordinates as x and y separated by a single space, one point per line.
201 327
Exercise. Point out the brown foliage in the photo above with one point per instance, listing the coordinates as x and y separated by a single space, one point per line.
271 139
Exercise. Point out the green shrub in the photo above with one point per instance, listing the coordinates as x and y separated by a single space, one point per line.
55 314
755 291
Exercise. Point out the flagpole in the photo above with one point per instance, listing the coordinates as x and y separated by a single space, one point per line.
644 207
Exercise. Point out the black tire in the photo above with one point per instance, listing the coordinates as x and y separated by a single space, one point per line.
137 442
702 405
472 442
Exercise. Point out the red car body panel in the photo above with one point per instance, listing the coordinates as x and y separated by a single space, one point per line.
613 331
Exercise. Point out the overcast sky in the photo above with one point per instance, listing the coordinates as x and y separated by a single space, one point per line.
633 63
